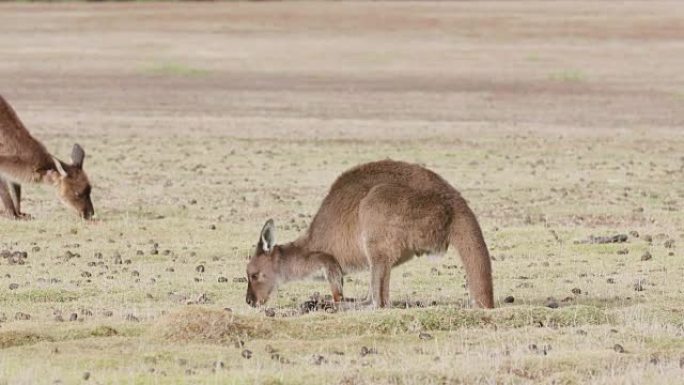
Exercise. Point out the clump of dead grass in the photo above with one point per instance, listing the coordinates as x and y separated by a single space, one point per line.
9 339
220 326
210 325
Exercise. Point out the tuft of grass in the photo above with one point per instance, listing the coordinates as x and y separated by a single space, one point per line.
175 69
9 339
202 324
568 76
219 326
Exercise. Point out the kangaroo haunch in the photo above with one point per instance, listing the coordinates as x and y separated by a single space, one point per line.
23 159
377 215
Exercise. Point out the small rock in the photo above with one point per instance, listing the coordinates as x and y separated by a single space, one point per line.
646 256
270 312
551 303
509 299
619 238
318 359
222 279
200 268
247 354
669 243
610 280
623 252
618 348
366 351
73 317
576 291
425 336
13 286
86 376
239 280
19 316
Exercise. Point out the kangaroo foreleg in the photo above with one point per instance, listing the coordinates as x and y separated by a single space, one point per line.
333 273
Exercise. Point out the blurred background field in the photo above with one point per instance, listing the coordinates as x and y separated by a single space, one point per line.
558 121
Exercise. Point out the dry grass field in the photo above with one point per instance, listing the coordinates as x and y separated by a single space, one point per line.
558 121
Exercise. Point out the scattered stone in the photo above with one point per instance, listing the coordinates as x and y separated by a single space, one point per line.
623 252
618 348
13 286
366 351
203 299
669 243
646 256
509 299
318 359
222 279
200 268
648 238
619 238
551 303
86 376
20 316
73 317
576 291
270 312
425 336
247 354
239 280
610 280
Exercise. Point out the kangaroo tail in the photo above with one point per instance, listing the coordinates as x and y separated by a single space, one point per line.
466 235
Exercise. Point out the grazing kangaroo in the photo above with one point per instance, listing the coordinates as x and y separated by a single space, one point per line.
23 159
376 215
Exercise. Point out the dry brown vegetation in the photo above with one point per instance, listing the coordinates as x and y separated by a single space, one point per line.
560 122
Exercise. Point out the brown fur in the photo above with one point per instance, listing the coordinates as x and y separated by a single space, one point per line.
23 159
378 215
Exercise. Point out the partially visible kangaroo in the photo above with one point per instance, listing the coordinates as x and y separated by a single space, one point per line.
376 215
23 159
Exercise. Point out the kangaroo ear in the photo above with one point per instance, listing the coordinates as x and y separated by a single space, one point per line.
60 168
267 238
77 156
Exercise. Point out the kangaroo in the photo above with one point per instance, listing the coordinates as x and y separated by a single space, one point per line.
23 159
376 215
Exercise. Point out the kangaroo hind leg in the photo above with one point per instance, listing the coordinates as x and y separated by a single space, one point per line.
6 198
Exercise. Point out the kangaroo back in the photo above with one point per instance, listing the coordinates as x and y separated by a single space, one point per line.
16 142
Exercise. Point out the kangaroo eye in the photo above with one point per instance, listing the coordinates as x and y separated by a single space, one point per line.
255 276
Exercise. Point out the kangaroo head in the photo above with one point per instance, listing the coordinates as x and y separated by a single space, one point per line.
72 183
262 270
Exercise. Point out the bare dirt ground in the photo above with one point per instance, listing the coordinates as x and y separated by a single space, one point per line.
557 120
